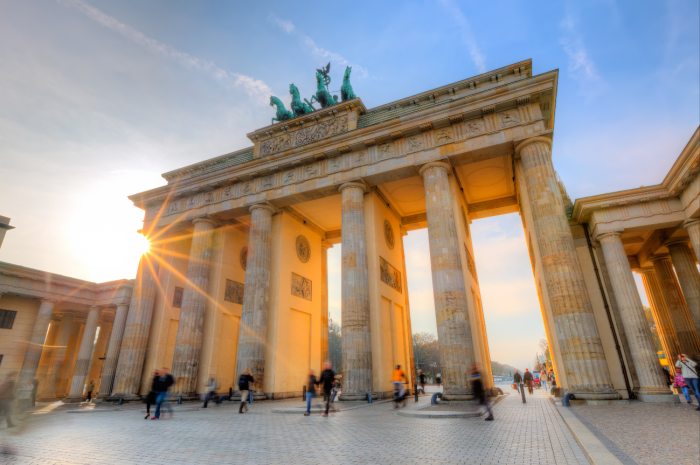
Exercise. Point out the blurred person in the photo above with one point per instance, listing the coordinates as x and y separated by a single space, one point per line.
543 380
7 397
152 394
690 374
397 380
165 380
479 392
421 380
680 384
517 380
527 377
244 386
90 388
35 388
326 381
668 375
310 391
211 391
438 379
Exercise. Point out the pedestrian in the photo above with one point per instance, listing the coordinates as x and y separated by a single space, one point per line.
153 393
326 382
517 380
310 391
680 384
421 380
527 377
211 391
90 388
479 392
438 379
7 397
35 388
667 374
397 381
690 374
244 386
165 380
543 380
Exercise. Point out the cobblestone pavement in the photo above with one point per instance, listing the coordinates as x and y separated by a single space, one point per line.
522 433
646 433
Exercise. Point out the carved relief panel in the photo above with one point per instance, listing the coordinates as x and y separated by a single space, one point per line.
304 136
234 292
470 264
390 275
388 234
443 136
303 249
508 118
301 287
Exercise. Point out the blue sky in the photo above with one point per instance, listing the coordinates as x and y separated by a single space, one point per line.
100 97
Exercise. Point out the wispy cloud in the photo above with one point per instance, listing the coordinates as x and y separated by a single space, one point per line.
581 66
313 48
255 88
467 36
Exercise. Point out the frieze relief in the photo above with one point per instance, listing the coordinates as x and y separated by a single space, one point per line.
301 287
443 136
390 275
508 118
336 164
209 197
304 136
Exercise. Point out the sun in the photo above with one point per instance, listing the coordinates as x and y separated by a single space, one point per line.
141 246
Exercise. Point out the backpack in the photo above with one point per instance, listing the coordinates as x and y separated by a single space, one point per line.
243 383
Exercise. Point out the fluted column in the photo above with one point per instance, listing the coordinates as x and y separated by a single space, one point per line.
324 300
47 353
36 342
69 359
693 227
188 343
112 357
677 310
659 311
579 340
652 385
355 319
253 336
138 324
48 390
451 307
688 277
82 365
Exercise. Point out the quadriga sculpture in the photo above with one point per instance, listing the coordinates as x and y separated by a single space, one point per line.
346 92
298 107
322 95
282 113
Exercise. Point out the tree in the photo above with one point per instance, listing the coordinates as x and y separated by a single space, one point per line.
544 346
335 347
426 353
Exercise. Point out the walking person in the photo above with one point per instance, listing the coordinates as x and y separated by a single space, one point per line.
397 381
438 379
165 380
479 392
543 380
689 372
517 380
421 380
153 393
244 386
211 391
7 397
326 382
527 377
310 391
680 384
35 389
90 388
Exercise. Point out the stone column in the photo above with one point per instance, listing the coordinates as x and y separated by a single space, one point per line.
36 342
355 319
652 383
451 307
47 353
688 277
82 365
677 310
188 343
69 359
112 357
693 227
412 372
253 335
138 324
324 301
579 340
659 312
48 390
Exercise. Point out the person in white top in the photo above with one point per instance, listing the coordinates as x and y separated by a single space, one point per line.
689 371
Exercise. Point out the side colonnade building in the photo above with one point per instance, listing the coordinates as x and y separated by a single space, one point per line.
237 275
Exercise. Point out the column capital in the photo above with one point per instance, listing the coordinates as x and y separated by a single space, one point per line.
609 236
49 300
326 245
205 220
357 185
532 140
262 206
660 257
648 270
682 241
691 223
435 164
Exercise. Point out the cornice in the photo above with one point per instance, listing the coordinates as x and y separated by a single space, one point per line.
585 205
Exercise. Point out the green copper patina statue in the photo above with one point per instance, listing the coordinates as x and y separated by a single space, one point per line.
298 107
322 95
282 113
346 92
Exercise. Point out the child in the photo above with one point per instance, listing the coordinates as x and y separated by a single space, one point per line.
679 383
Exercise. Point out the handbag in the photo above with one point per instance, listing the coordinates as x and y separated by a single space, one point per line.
515 387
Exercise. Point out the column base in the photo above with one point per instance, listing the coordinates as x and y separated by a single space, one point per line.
457 397
124 398
186 396
657 397
588 395
49 399
74 400
355 396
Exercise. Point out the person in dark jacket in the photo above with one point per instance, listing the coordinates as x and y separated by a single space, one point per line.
517 379
326 381
35 388
479 392
421 380
310 391
244 386
527 377
165 380
151 396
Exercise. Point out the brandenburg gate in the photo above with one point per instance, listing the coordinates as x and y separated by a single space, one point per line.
237 275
